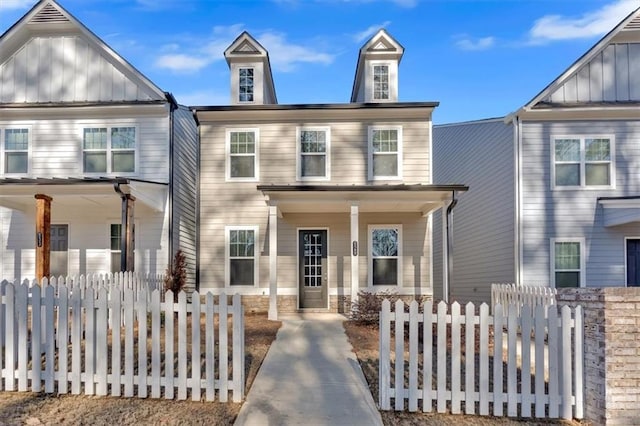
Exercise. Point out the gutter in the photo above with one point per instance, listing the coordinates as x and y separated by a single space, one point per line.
123 226
446 290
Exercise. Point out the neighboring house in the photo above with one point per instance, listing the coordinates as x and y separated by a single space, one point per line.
302 206
91 154
556 184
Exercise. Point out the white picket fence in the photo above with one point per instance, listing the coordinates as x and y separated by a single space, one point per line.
520 295
61 341
458 372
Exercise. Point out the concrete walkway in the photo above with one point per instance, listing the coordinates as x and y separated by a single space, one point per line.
310 377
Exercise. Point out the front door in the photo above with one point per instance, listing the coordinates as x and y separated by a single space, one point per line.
633 262
313 268
59 250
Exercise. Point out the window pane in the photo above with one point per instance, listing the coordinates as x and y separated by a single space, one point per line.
95 139
243 143
241 271
242 166
16 139
313 165
313 141
115 261
123 162
567 149
241 243
567 174
116 230
385 271
16 162
567 279
597 150
245 85
95 162
384 242
385 165
597 174
123 138
567 255
385 141
381 82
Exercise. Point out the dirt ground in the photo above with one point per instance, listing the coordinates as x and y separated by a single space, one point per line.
26 408
364 339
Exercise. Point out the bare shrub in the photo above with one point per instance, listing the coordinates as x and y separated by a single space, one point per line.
176 275
366 310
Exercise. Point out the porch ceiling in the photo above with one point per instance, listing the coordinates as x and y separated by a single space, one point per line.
18 194
381 198
620 210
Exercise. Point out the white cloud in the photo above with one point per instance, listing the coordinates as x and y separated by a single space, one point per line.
364 35
591 24
16 4
285 55
464 42
181 63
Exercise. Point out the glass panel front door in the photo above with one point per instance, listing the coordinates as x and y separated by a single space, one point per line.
313 268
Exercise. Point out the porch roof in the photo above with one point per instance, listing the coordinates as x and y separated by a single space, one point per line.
17 193
369 198
620 210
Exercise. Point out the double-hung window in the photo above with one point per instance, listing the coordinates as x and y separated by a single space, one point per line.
16 151
385 254
567 262
115 239
385 152
245 85
583 162
109 150
313 153
242 266
380 82
242 158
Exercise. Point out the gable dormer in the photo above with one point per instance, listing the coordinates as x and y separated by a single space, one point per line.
376 77
251 78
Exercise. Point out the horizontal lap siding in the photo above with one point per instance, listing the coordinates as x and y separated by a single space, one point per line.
480 155
575 213
56 145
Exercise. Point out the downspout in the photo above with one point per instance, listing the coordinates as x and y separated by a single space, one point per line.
172 107
123 227
446 291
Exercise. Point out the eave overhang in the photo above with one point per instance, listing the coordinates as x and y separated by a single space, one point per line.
620 210
18 193
401 198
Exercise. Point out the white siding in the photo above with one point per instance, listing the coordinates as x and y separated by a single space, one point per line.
480 155
66 68
610 76
576 213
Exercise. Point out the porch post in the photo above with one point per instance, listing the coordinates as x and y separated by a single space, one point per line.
355 255
127 237
445 253
273 263
43 236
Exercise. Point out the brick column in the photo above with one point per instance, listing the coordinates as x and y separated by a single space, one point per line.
612 352
43 236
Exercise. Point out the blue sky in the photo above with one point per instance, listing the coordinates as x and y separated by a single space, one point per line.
478 58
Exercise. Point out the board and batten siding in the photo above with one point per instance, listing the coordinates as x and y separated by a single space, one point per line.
231 203
185 189
609 76
56 144
575 213
478 154
66 68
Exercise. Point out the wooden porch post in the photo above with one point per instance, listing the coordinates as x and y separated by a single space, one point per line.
355 255
43 236
127 237
273 263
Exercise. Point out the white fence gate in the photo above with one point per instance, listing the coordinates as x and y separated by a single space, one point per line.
458 360
62 341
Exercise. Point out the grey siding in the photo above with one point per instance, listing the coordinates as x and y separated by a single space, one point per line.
185 189
549 213
479 154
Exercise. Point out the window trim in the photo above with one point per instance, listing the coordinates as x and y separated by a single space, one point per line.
256 155
583 162
327 154
108 151
370 229
552 259
370 154
3 151
227 255
253 88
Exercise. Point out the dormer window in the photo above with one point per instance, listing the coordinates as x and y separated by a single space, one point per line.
380 82
245 85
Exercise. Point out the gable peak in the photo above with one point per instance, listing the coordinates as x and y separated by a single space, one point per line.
244 45
49 14
382 42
